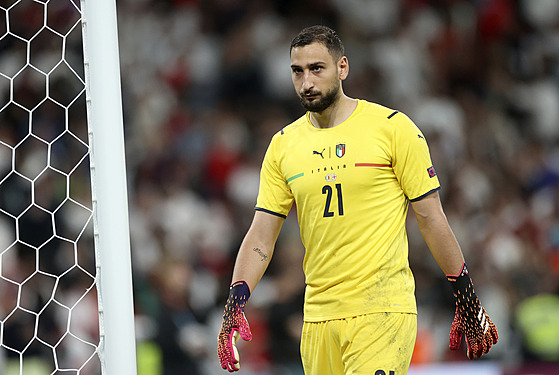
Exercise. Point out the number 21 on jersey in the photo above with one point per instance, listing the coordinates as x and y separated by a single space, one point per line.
328 191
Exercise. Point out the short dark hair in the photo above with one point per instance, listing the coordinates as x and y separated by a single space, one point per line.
321 34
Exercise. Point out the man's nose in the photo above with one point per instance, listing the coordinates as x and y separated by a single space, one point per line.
307 82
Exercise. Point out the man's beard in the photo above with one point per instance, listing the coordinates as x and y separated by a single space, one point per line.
319 105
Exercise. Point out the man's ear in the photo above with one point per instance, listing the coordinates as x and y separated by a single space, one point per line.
343 68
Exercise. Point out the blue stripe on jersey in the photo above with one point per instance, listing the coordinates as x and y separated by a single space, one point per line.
393 114
424 195
269 212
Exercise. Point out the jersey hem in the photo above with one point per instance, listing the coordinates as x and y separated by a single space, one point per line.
351 315
270 212
426 194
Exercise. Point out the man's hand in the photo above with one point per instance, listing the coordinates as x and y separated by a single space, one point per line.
234 325
470 318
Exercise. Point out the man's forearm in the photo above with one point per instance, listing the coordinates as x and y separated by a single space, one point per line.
252 261
257 248
443 245
438 235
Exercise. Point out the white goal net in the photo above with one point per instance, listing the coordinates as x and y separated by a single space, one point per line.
49 322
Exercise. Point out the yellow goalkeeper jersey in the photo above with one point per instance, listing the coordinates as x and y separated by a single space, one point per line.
352 185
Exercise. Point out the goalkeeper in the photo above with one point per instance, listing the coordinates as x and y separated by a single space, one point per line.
352 168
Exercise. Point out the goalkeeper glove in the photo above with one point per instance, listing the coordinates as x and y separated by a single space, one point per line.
234 325
470 318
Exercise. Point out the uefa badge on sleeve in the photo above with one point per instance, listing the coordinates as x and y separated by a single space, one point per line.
431 171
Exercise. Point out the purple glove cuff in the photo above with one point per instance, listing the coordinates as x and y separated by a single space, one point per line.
239 293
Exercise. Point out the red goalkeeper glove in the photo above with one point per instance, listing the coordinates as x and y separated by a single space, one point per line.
470 318
234 325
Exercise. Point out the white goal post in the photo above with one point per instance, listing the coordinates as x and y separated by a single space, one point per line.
66 301
108 174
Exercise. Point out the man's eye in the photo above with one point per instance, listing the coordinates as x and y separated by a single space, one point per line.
317 68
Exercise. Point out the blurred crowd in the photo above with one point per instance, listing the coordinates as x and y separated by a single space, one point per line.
207 83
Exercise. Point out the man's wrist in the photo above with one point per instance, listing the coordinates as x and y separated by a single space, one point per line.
461 283
239 293
463 290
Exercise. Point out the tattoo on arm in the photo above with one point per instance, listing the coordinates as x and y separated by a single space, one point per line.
263 256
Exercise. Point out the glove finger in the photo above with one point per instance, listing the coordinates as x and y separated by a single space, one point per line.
455 337
470 351
474 348
486 344
232 360
223 363
484 339
244 329
236 364
492 336
223 350
494 333
489 342
479 346
234 338
478 351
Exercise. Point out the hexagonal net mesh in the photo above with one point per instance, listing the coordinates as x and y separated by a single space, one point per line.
48 298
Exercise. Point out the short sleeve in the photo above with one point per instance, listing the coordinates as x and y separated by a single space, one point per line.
411 160
274 194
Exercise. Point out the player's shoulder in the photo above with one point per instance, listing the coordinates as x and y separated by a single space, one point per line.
390 119
380 111
291 129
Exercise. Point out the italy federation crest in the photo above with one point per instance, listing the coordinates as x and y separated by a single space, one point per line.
340 150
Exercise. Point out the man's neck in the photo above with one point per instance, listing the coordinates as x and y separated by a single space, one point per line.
334 115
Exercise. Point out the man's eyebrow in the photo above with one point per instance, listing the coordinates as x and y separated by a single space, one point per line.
309 65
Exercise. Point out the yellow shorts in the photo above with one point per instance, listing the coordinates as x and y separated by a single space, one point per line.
372 344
